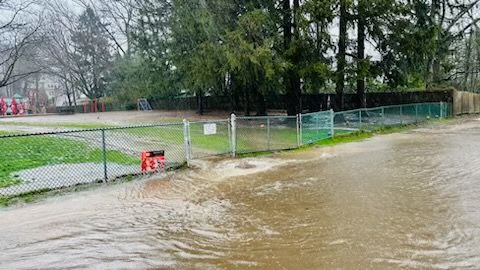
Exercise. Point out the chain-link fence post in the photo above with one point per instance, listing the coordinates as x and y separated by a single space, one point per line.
104 157
416 113
268 134
441 110
332 123
229 134
383 116
300 117
401 114
233 139
360 118
186 139
299 129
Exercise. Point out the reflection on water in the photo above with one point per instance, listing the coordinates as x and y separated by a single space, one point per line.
406 200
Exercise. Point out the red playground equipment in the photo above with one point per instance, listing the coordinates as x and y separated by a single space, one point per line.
10 106
3 106
92 106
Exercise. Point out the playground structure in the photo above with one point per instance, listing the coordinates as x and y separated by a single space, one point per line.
10 106
32 103
94 105
143 105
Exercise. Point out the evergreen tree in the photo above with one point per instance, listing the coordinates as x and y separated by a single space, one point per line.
91 54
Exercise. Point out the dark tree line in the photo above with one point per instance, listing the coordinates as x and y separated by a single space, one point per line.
251 50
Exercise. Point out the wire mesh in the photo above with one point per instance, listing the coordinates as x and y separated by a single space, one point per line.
37 162
49 161
209 138
371 119
281 133
257 134
408 113
252 134
347 122
316 127
124 147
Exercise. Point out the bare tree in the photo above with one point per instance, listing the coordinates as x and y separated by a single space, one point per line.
452 19
119 17
77 50
19 33
58 48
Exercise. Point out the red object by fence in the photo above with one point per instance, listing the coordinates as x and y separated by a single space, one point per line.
21 109
153 161
13 105
3 106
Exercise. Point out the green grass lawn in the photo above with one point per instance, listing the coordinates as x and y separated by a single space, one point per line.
30 152
174 135
249 138
59 125
20 153
2 133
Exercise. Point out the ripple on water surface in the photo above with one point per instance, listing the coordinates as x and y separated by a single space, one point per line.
398 201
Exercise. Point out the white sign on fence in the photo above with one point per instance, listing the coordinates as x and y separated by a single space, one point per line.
210 129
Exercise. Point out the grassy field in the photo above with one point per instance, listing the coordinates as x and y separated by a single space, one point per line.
20 153
59 125
174 135
249 138
30 152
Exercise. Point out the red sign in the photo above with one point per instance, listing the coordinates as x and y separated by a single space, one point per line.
153 161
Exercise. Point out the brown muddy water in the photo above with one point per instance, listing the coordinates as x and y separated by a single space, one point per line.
409 200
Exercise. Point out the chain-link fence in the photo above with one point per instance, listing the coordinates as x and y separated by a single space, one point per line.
46 161
260 134
209 138
316 127
374 118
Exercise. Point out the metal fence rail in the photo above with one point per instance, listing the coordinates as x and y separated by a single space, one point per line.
46 161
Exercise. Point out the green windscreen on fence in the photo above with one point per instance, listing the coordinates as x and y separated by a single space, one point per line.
316 127
374 118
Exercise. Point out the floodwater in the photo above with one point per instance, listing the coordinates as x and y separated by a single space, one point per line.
408 200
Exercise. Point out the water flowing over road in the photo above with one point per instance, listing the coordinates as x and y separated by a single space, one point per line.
408 200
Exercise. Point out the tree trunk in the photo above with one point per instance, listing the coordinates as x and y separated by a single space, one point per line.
200 102
318 48
296 82
260 104
341 62
361 94
231 90
287 40
477 60
431 75
468 54
287 24
247 102
74 96
292 78
67 91
37 102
